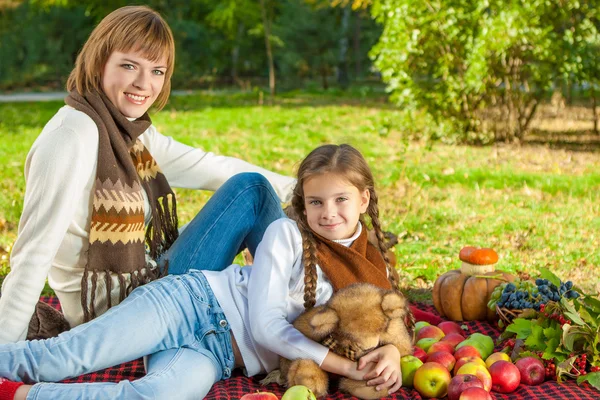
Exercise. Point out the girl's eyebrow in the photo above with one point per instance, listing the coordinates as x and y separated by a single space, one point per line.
334 195
137 63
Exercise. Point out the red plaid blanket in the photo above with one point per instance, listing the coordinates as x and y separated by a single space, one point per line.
238 385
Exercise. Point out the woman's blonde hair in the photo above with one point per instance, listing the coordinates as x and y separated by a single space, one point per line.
130 28
347 162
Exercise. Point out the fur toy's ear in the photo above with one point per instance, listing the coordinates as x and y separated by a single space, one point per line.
324 322
394 305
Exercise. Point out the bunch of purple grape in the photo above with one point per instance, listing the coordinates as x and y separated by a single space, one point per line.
519 295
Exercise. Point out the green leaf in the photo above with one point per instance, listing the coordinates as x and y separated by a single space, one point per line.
592 303
551 346
590 319
520 326
571 313
592 378
572 334
536 339
545 273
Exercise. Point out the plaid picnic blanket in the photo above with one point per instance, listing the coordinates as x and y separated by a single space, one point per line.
238 385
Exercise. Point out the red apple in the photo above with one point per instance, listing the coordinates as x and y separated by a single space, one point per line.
419 325
475 393
431 380
442 357
259 396
460 383
430 331
453 338
462 361
479 371
420 353
449 327
466 351
441 346
505 376
532 370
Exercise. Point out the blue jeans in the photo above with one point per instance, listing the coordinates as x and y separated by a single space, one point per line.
235 217
176 316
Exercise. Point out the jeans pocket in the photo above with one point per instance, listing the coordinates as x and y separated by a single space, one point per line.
196 289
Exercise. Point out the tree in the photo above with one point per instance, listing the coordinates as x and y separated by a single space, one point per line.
457 58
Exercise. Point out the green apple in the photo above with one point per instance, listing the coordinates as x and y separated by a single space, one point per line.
298 392
409 365
426 343
480 343
486 341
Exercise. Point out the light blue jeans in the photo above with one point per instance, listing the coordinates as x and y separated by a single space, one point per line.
175 319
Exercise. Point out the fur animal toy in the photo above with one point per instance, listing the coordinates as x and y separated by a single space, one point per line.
356 320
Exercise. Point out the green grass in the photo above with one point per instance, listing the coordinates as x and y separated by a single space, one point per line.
536 206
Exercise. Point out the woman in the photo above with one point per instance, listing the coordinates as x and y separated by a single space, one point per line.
99 215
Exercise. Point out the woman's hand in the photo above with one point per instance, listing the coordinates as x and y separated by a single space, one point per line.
383 365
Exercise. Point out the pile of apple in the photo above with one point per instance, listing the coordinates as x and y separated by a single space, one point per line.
298 392
444 362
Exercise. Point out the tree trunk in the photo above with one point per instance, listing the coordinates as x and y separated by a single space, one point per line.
523 128
235 53
343 79
324 71
267 30
595 108
356 40
510 120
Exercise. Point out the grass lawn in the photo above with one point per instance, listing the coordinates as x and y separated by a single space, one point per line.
534 205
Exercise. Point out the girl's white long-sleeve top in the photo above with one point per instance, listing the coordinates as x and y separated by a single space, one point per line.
52 240
261 301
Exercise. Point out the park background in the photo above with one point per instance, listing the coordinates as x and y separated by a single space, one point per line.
478 117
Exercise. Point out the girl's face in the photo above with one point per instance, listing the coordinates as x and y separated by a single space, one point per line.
132 83
333 206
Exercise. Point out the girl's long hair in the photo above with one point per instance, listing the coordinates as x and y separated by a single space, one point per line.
347 162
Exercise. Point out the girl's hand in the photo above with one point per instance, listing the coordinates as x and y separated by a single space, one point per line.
386 372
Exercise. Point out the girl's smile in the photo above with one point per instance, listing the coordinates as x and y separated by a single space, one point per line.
333 206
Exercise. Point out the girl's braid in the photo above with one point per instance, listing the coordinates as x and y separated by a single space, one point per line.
309 253
373 211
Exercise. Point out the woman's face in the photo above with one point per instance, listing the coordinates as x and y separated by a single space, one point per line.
132 83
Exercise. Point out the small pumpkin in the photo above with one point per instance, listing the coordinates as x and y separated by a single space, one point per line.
462 295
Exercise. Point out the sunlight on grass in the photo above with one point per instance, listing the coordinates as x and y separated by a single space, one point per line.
537 207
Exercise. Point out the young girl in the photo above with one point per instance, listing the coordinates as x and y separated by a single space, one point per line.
99 180
213 322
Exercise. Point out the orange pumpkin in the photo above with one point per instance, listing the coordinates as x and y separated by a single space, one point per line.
462 295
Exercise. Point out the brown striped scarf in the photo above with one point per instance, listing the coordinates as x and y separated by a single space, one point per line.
117 236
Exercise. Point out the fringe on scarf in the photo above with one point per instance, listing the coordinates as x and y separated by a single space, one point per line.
136 278
162 230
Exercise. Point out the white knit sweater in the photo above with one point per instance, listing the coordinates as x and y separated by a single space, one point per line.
261 301
53 231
